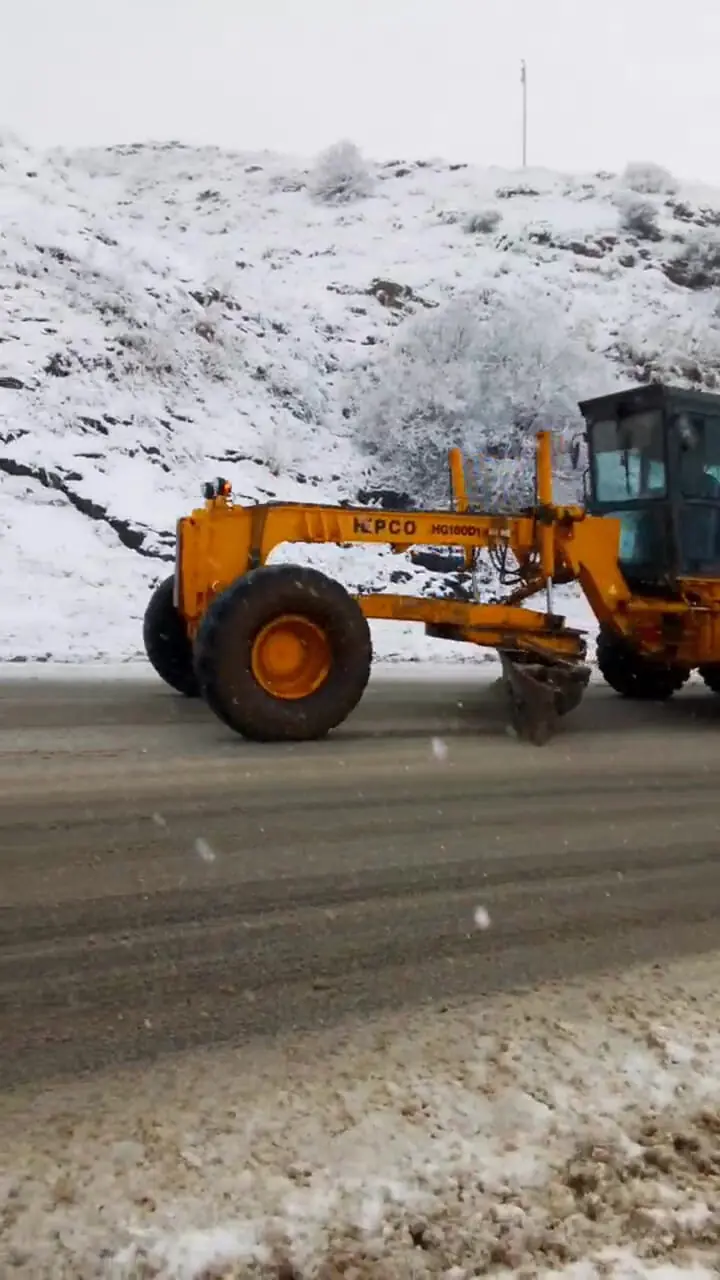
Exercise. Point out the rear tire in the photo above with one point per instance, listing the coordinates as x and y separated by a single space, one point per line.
283 655
633 676
167 643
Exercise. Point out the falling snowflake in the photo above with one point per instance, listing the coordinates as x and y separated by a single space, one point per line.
439 748
204 850
482 918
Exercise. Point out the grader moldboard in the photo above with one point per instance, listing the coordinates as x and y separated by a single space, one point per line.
283 652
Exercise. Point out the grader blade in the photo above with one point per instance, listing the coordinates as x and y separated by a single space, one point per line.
538 694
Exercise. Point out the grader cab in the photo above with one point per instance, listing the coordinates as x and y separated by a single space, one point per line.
654 456
655 464
282 652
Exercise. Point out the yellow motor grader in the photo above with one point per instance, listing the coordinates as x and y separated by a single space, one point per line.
283 652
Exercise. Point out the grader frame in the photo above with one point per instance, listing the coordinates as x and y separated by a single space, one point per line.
283 662
551 545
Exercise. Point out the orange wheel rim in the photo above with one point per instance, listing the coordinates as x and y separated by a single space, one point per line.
291 657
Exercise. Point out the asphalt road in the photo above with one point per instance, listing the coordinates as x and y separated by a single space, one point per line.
164 884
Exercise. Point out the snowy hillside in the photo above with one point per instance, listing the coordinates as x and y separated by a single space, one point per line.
172 313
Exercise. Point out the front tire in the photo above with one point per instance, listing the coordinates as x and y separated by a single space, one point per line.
634 676
283 655
167 644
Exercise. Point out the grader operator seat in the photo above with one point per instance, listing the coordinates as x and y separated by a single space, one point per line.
654 463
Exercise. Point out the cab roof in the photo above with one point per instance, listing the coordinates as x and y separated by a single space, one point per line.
653 395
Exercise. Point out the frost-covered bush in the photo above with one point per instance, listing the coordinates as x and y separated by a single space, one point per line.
483 223
675 344
152 353
449 217
637 216
183 342
484 372
340 175
648 179
292 181
696 264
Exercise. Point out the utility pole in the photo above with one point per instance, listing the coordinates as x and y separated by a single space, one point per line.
523 82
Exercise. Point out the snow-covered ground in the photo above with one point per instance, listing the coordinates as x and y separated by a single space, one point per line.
170 312
573 1132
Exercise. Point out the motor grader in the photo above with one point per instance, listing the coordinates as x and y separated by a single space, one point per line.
283 652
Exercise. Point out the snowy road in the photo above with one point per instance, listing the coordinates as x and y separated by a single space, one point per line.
165 885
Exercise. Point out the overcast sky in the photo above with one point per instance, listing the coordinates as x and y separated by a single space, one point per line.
609 80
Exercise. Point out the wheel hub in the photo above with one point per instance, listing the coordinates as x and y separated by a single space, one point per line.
291 657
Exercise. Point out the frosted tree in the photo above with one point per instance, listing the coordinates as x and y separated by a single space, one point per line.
484 372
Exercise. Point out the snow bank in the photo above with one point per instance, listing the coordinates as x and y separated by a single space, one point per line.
571 1132
173 312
